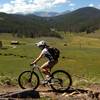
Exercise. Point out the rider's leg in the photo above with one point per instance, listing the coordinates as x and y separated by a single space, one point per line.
46 67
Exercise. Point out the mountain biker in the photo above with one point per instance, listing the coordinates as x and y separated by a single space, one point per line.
51 60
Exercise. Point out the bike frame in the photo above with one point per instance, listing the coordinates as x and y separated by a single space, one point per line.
36 67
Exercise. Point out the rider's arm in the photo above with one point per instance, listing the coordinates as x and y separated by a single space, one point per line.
38 58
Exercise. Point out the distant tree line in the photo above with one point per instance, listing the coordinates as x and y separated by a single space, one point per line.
25 25
82 20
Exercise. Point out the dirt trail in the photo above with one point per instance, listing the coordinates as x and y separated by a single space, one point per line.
43 91
90 93
8 88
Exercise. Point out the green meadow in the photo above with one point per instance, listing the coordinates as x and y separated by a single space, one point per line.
80 56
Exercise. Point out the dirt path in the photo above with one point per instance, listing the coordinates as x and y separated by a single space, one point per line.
90 93
94 87
8 88
43 91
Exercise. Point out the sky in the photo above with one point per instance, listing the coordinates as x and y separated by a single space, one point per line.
30 6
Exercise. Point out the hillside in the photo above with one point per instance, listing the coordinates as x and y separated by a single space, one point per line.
84 19
24 25
50 14
46 14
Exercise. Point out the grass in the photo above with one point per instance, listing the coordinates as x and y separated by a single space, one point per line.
81 56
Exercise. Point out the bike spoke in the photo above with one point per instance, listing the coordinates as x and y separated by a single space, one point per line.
61 81
28 79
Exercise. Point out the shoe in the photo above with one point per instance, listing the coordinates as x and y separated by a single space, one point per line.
48 77
44 82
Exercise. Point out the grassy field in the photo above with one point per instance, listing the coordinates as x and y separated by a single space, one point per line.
80 56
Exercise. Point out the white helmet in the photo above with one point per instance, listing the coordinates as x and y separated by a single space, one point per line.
41 43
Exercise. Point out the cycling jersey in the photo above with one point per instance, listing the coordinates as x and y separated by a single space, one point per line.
46 53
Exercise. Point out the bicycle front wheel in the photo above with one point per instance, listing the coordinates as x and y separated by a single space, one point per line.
28 79
60 81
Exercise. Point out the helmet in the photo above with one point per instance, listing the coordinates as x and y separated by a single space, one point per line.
41 43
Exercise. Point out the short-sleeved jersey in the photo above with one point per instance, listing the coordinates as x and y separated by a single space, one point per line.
46 53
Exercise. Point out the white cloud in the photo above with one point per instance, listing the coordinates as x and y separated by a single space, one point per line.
59 1
71 4
91 5
29 6
6 8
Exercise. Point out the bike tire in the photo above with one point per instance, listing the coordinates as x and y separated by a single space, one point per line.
28 79
65 78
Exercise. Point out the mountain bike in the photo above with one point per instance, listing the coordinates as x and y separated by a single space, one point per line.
60 80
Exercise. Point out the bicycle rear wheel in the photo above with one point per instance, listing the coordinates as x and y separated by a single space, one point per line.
60 81
28 79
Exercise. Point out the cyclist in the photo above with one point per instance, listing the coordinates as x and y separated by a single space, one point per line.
51 60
